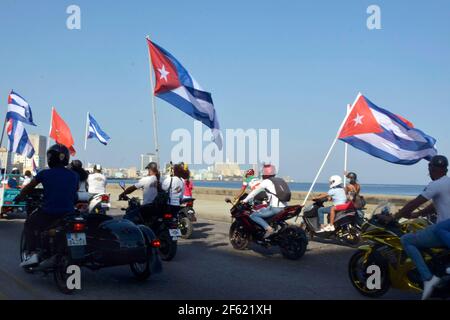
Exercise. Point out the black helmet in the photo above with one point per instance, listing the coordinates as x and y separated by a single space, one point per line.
439 162
353 177
58 156
76 164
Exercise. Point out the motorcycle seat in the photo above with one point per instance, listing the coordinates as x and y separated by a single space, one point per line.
186 200
288 213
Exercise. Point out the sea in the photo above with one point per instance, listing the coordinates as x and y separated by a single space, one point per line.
390 189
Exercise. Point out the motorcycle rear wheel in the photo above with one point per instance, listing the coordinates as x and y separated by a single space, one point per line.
168 248
357 271
60 274
239 239
294 244
186 227
141 271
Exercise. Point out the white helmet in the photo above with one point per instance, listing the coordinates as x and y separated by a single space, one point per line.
335 181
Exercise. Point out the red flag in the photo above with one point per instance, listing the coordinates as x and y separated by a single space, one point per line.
60 132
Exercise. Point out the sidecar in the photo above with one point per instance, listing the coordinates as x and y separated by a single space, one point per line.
10 188
115 242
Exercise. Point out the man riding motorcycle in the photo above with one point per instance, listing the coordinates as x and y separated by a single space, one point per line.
276 205
60 194
438 191
97 181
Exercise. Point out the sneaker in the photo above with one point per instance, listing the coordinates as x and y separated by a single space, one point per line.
428 287
323 229
268 233
329 228
31 260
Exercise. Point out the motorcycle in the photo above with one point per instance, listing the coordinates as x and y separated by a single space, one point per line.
347 224
93 241
186 217
291 239
384 249
164 225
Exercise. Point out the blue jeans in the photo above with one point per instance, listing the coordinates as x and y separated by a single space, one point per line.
268 212
322 212
413 242
443 232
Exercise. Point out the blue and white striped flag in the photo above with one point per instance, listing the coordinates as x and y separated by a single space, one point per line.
18 139
94 131
19 109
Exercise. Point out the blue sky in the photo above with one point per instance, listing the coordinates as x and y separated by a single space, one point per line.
292 65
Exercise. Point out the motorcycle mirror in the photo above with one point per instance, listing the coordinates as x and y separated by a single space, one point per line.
227 200
122 184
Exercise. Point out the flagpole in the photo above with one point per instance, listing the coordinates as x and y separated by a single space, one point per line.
329 151
155 128
346 154
51 123
3 132
87 128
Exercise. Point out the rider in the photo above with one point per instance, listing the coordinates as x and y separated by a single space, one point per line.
439 192
60 194
27 178
97 181
275 205
338 196
149 184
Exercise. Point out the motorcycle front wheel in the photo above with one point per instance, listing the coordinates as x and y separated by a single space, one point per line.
239 239
168 248
141 271
359 274
293 243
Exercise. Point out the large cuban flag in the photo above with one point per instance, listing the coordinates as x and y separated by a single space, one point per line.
385 135
176 86
18 139
19 109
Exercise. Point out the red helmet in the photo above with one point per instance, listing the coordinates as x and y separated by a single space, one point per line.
249 173
269 170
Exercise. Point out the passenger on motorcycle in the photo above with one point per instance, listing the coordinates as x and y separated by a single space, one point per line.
188 184
77 167
60 194
336 194
353 190
97 181
27 178
275 205
174 185
438 191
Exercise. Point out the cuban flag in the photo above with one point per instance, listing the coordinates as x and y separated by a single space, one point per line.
94 131
176 86
19 109
385 135
18 139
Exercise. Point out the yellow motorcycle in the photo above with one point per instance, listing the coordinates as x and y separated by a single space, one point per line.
381 263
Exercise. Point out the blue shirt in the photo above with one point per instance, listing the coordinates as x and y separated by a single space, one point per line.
338 195
60 190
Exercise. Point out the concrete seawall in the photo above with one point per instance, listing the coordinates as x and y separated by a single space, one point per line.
210 201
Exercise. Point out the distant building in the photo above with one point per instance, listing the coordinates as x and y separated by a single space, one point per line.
146 159
227 170
132 173
40 154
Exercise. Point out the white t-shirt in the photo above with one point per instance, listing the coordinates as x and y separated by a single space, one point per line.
150 186
26 180
97 183
176 190
439 192
268 185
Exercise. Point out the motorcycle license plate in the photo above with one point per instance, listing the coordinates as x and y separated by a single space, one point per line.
76 239
106 205
175 233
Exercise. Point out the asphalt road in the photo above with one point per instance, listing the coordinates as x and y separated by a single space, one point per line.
206 267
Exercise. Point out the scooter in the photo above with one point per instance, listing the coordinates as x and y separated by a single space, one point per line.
186 217
347 224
